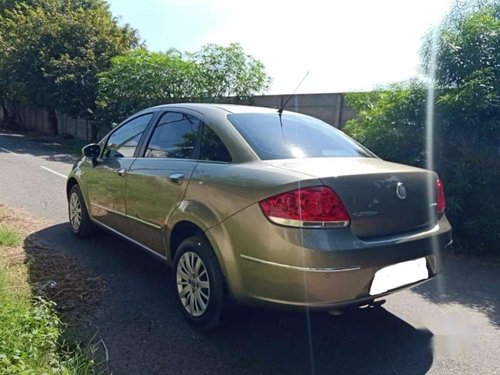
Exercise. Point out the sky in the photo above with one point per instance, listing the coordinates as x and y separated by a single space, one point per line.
350 45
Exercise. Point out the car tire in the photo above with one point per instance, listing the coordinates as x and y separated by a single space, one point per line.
79 218
198 283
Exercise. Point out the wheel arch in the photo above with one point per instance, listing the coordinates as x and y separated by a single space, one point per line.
179 232
184 229
72 181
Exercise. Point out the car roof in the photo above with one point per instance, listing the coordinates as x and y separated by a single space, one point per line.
229 108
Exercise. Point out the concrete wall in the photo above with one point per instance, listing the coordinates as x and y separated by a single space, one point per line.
36 119
30 118
330 108
78 128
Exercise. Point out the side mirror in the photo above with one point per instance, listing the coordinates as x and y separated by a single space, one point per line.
91 151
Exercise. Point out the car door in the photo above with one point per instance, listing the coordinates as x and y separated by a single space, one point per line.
105 181
157 181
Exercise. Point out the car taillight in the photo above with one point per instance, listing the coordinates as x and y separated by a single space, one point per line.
308 207
441 202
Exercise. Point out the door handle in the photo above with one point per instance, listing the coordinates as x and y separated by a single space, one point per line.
176 178
121 172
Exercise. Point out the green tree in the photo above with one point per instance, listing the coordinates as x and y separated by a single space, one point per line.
229 71
140 79
4 94
10 4
467 69
467 118
53 50
468 108
391 121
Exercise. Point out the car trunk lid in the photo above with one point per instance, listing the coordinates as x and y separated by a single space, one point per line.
382 198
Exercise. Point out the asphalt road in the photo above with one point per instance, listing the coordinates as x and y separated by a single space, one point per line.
449 325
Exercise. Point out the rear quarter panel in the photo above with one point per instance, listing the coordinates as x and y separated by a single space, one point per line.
217 191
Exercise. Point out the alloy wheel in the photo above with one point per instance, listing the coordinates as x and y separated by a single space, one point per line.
75 211
193 284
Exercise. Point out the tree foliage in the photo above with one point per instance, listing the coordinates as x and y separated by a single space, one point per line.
228 71
53 50
391 121
73 56
467 119
468 68
140 78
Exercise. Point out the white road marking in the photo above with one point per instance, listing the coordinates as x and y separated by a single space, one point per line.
52 171
10 152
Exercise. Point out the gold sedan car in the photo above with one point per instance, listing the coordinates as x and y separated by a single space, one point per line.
255 206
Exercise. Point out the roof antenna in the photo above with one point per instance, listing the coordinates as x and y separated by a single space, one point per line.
280 110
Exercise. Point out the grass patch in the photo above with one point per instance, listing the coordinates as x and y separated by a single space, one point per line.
9 237
32 334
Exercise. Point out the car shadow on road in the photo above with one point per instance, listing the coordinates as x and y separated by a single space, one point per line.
467 282
145 334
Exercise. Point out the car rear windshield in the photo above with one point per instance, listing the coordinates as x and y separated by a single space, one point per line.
295 136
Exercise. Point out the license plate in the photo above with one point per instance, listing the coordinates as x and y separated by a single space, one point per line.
398 275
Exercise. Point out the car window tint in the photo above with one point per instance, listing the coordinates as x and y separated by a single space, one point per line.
212 147
294 136
174 136
123 142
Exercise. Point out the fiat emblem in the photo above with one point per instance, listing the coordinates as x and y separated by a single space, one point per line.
401 190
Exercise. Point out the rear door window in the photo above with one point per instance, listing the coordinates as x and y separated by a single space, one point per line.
174 136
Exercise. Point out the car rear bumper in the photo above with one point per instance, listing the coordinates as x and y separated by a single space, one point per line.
318 290
317 268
